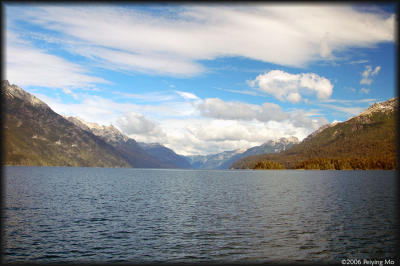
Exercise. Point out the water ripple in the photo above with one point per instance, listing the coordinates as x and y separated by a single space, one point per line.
61 214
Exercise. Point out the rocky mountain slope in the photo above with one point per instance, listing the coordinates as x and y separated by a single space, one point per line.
36 135
109 133
225 159
138 154
128 148
366 141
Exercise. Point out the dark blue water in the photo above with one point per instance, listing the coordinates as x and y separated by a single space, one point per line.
65 214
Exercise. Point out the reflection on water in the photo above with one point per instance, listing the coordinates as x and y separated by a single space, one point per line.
55 214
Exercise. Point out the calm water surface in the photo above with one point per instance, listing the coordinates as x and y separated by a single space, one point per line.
66 214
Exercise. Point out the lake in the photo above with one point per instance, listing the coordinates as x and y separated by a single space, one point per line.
68 214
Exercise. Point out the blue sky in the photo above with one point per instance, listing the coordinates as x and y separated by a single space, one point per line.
203 79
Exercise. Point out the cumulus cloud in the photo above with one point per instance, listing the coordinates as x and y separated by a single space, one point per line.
368 74
207 136
219 109
126 39
285 86
135 124
294 97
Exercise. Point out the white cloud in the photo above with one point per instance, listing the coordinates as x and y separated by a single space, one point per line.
325 50
266 113
207 136
347 106
134 124
368 74
69 92
29 66
285 86
376 71
365 76
187 95
300 119
294 97
348 110
149 63
361 61
246 92
90 108
364 90
219 109
158 96
352 102
106 111
128 40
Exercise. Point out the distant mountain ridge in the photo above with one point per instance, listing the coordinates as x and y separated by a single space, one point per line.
166 155
212 161
271 146
224 160
365 141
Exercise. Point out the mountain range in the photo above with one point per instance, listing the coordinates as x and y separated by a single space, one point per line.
35 135
225 159
165 155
